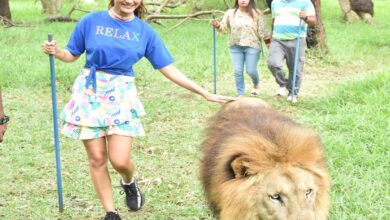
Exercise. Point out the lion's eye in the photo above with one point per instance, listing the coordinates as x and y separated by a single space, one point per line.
309 192
276 197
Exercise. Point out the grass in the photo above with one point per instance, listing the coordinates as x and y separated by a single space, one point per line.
354 123
345 97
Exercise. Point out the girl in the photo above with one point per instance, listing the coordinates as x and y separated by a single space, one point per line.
247 29
104 110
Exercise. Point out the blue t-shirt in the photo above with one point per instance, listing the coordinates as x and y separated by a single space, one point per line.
286 18
114 46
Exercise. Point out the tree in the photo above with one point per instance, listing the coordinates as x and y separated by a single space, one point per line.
51 7
5 13
355 10
316 36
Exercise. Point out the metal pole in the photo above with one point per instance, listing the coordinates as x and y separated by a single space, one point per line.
296 60
215 59
55 123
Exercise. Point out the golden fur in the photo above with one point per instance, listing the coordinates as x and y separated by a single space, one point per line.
257 165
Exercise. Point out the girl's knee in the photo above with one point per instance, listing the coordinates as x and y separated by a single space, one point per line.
98 162
238 70
253 72
272 63
121 165
238 74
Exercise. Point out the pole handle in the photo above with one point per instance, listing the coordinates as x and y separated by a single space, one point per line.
51 56
50 37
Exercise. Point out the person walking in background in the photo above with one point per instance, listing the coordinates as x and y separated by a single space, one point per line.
4 119
290 19
247 28
104 110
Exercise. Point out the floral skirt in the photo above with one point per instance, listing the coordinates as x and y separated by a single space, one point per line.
114 108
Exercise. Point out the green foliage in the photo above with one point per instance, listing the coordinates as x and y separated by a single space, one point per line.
207 5
354 121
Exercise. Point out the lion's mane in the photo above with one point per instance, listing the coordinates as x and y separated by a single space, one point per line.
246 144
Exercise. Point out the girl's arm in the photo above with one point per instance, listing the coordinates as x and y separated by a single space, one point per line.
310 20
222 26
174 74
61 54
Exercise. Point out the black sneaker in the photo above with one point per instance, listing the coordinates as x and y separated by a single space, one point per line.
112 216
135 199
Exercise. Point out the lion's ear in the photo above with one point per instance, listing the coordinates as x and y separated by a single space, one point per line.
240 167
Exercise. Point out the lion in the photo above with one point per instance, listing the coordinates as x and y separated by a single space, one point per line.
257 164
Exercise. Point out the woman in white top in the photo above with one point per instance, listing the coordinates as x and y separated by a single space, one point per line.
247 28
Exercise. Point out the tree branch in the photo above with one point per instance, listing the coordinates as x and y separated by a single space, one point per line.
170 5
162 6
9 23
194 15
6 21
59 18
178 24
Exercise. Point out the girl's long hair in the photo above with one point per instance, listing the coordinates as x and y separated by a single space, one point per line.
139 12
250 9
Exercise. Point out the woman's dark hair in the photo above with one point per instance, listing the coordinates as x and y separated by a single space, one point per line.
250 9
139 12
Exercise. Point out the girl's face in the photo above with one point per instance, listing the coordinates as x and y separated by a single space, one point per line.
126 7
243 3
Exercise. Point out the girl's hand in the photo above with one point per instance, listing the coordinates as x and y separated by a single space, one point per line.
219 98
215 23
302 14
50 47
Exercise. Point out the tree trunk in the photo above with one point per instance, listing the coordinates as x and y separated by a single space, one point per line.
316 36
51 7
355 10
364 8
5 12
345 5
349 15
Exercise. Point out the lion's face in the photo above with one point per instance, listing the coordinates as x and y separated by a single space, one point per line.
286 193
260 165
283 191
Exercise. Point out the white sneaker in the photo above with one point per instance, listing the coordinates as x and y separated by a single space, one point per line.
282 91
255 92
293 99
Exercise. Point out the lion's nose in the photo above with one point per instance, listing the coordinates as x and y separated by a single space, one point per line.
305 215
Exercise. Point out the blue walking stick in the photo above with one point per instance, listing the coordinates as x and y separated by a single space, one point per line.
55 123
215 59
296 59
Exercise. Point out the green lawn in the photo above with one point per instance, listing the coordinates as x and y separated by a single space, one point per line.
345 97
